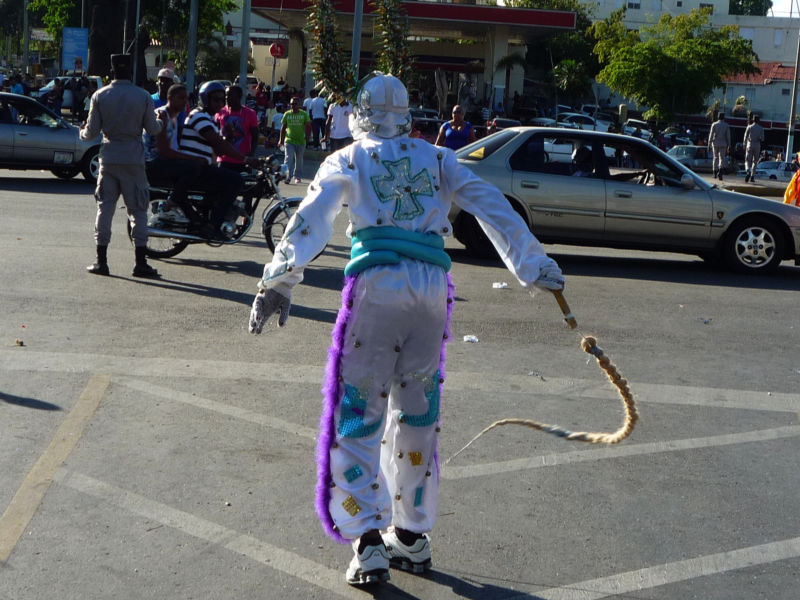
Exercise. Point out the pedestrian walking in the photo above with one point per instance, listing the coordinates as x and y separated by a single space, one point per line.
295 130
121 111
337 127
753 136
376 453
719 142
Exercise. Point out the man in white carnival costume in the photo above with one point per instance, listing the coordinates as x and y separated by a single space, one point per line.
376 456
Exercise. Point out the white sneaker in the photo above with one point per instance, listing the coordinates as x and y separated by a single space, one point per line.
297 180
173 215
371 566
415 558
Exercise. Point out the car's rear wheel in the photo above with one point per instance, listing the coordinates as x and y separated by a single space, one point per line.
753 245
65 173
90 167
467 231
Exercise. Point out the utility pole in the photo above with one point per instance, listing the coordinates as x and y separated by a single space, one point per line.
26 33
192 51
244 52
358 16
790 137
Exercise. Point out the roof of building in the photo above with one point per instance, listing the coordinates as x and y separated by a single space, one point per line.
770 71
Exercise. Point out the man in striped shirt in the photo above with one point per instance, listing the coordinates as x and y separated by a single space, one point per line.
200 137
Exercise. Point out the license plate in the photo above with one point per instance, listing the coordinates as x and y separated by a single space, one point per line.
62 158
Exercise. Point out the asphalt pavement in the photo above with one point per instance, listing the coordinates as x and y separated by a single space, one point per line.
151 448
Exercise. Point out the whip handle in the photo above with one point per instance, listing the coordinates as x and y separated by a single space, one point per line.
562 303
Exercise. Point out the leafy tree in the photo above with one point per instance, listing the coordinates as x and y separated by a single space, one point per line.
215 61
756 8
548 51
391 32
329 63
507 63
571 78
673 65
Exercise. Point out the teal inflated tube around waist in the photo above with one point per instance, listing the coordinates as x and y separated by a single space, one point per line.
389 245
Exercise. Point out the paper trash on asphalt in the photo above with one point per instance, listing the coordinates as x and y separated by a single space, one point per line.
471 338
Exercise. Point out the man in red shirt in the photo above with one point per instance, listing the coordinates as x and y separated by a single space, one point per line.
239 126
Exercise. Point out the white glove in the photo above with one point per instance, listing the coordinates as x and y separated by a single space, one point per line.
550 276
265 304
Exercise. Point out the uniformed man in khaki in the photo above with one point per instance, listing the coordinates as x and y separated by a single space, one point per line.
719 141
121 111
753 136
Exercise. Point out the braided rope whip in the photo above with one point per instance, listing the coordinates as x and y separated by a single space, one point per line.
589 345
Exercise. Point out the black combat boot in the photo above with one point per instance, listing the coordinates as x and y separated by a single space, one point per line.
141 268
100 267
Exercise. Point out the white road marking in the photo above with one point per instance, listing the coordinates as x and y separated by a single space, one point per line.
26 501
682 570
332 581
599 388
271 556
219 407
564 458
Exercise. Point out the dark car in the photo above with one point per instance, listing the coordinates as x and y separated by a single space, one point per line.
34 137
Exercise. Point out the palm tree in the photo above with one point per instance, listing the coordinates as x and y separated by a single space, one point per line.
571 78
508 62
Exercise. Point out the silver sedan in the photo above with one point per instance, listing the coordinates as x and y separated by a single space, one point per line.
34 137
592 188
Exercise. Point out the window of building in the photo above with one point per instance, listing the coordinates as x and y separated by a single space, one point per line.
680 3
786 92
748 33
704 5
780 35
634 5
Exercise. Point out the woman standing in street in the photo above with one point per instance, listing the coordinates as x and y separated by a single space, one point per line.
457 132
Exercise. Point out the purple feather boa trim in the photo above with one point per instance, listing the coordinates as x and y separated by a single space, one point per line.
330 400
330 395
451 302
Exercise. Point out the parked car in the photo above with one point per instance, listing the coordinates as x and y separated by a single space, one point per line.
252 84
631 125
427 121
499 123
34 137
635 196
699 159
581 121
66 101
775 170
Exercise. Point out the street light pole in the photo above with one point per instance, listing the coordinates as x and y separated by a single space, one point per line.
192 50
244 51
358 16
790 137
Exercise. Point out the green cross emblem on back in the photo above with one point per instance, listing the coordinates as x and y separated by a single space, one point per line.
403 188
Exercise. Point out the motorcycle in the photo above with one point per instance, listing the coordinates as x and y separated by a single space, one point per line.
168 238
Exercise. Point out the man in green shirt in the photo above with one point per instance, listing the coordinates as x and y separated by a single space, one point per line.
295 130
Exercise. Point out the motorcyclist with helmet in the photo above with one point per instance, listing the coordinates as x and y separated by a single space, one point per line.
201 137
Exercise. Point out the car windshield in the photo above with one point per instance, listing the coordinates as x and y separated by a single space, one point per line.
485 147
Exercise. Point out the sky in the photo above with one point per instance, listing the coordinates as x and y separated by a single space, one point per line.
781 8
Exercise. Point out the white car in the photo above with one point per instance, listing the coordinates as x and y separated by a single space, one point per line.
775 170
252 84
631 125
66 101
582 121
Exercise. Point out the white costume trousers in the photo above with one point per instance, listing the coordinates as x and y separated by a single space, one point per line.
387 421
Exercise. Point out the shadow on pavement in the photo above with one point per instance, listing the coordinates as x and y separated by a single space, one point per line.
28 402
787 276
77 186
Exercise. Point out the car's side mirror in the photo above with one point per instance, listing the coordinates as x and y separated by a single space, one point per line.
687 181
